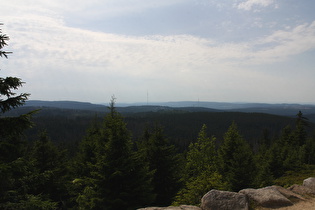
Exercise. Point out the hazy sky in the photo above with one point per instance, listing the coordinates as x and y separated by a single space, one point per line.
168 50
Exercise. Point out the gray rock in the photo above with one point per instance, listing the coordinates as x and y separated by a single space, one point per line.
302 190
267 197
310 183
224 200
294 197
183 207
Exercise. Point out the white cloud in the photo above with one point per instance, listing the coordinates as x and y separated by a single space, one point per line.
284 43
250 4
82 8
61 62
51 42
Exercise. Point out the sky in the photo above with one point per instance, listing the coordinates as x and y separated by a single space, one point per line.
160 51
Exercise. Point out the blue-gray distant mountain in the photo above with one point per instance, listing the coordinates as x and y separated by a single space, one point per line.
189 106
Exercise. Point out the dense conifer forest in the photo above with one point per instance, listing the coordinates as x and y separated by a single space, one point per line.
70 159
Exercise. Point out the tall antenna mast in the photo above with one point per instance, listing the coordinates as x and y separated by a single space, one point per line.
147 97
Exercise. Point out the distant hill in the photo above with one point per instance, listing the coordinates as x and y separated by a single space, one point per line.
188 106
120 107
278 109
66 105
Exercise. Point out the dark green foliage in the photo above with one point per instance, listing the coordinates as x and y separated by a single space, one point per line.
183 127
7 85
69 126
310 150
25 187
300 129
113 176
200 172
163 160
289 152
264 176
49 170
37 179
290 178
11 126
286 154
3 42
9 100
236 162
14 166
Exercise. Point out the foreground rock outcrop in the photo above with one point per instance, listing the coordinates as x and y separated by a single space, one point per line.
302 190
289 194
268 197
216 199
182 207
310 183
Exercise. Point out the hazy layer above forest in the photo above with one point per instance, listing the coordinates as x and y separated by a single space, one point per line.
192 106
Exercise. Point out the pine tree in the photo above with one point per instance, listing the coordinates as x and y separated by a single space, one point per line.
163 160
114 177
49 170
287 153
11 126
264 176
200 173
236 163
13 166
300 128
310 150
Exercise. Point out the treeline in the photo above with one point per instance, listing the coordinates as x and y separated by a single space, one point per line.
111 171
68 126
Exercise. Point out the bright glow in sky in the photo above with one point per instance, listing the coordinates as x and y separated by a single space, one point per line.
174 50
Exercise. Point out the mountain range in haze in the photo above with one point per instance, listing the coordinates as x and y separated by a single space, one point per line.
192 106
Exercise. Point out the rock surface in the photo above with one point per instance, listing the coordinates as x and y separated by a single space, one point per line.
288 194
302 190
273 197
267 197
183 207
216 200
310 183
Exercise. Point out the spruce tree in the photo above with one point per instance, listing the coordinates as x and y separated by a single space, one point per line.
49 169
10 126
300 128
200 172
163 161
236 162
15 169
114 178
287 153
310 150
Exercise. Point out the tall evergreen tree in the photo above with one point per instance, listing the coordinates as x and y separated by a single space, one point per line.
114 178
300 128
264 176
10 126
200 172
15 169
292 149
49 170
236 162
163 161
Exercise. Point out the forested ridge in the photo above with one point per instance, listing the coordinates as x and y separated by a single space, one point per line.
115 161
68 126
